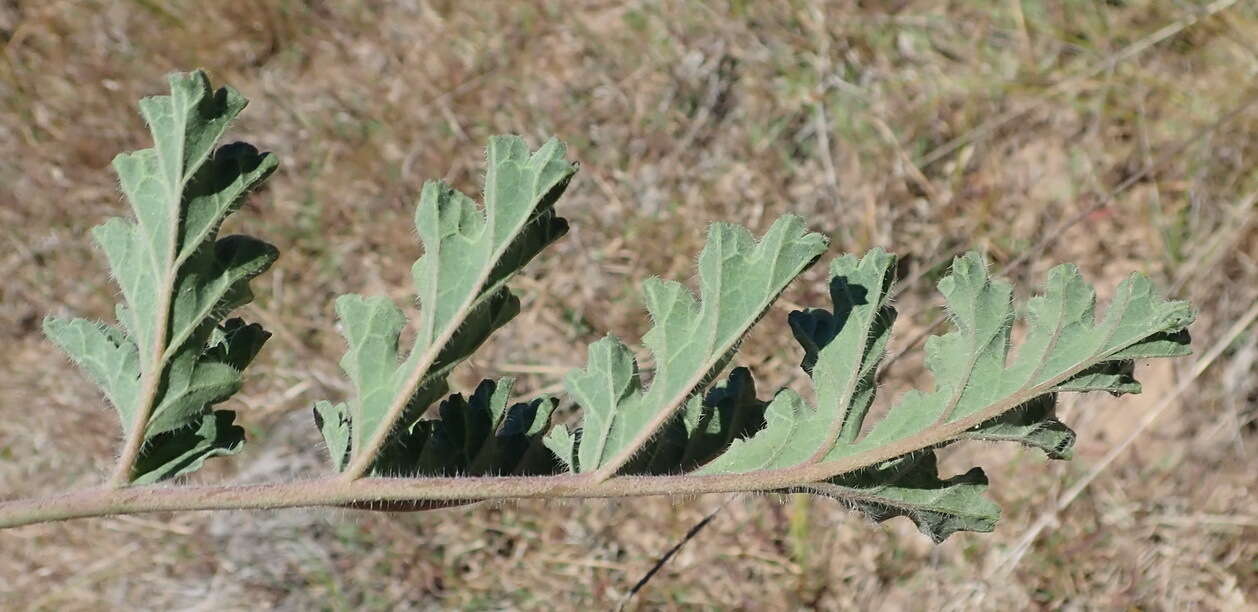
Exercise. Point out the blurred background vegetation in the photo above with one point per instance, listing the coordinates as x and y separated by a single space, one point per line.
1119 135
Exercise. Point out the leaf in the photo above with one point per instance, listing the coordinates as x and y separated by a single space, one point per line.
692 342
333 422
461 284
974 379
487 434
841 354
164 185
705 427
787 418
182 451
1031 424
484 434
106 354
842 350
174 357
980 393
371 326
910 486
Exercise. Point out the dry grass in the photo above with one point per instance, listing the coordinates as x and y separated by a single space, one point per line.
681 114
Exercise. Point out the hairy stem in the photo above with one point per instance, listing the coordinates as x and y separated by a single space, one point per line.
337 491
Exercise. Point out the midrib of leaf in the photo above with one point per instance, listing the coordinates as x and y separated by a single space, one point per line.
176 341
839 424
845 400
1057 329
959 390
151 375
608 423
668 410
943 432
975 351
162 346
361 462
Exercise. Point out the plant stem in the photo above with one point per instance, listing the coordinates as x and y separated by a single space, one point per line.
337 491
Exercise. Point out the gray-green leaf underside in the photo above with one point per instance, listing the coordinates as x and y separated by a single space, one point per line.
461 284
707 424
691 342
173 356
981 391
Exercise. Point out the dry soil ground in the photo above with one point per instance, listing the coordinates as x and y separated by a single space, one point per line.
1116 134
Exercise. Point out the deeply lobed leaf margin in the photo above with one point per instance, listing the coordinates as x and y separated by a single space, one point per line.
174 354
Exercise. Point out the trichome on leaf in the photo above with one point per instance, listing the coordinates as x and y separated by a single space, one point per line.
694 428
172 355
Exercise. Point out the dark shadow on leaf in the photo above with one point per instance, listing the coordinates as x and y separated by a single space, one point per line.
816 328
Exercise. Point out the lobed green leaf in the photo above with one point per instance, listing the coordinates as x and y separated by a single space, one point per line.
461 285
910 486
980 392
692 342
174 356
